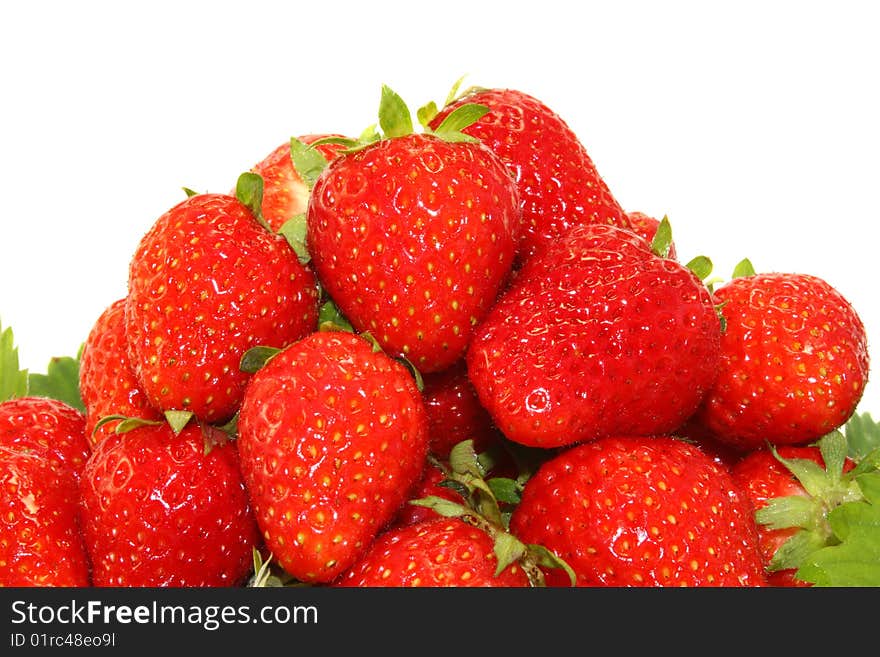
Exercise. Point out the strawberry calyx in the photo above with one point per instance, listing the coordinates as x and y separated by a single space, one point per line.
177 420
481 507
832 493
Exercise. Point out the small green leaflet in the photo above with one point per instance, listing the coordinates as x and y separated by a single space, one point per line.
862 435
701 266
662 242
13 381
743 268
249 190
394 116
308 162
450 129
295 231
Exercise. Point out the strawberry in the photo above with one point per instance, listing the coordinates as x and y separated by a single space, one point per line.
285 193
333 435
430 484
794 513
646 226
48 428
40 539
558 184
439 552
455 412
794 361
161 508
107 383
412 235
597 335
206 283
640 511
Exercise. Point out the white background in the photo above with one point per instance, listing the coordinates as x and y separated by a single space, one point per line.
752 125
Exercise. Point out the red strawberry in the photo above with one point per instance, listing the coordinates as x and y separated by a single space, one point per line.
333 436
206 284
440 552
166 509
285 193
107 383
40 539
413 236
596 336
766 481
794 361
455 412
47 428
645 226
640 511
558 183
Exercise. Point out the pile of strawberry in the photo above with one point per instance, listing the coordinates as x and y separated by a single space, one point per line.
442 354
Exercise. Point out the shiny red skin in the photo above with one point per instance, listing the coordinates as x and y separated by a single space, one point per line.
333 437
794 362
559 186
762 478
455 413
640 512
108 384
413 237
206 284
157 511
596 336
441 552
49 428
40 540
285 193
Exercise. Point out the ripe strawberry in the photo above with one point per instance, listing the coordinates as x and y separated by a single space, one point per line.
206 284
557 181
285 193
429 484
333 436
768 482
640 511
596 336
47 428
413 236
645 226
794 361
107 383
166 509
455 412
440 552
40 539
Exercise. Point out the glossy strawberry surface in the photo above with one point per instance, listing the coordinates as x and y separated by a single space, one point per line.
596 336
413 238
206 284
558 183
641 511
333 436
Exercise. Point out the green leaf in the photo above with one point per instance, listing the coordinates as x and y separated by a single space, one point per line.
460 118
463 459
189 192
701 266
662 242
855 562
793 552
788 511
394 116
374 342
249 190
295 231
61 382
256 358
862 435
548 559
126 423
330 318
453 94
869 485
178 419
508 549
308 162
743 268
426 114
505 489
13 381
414 371
442 506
